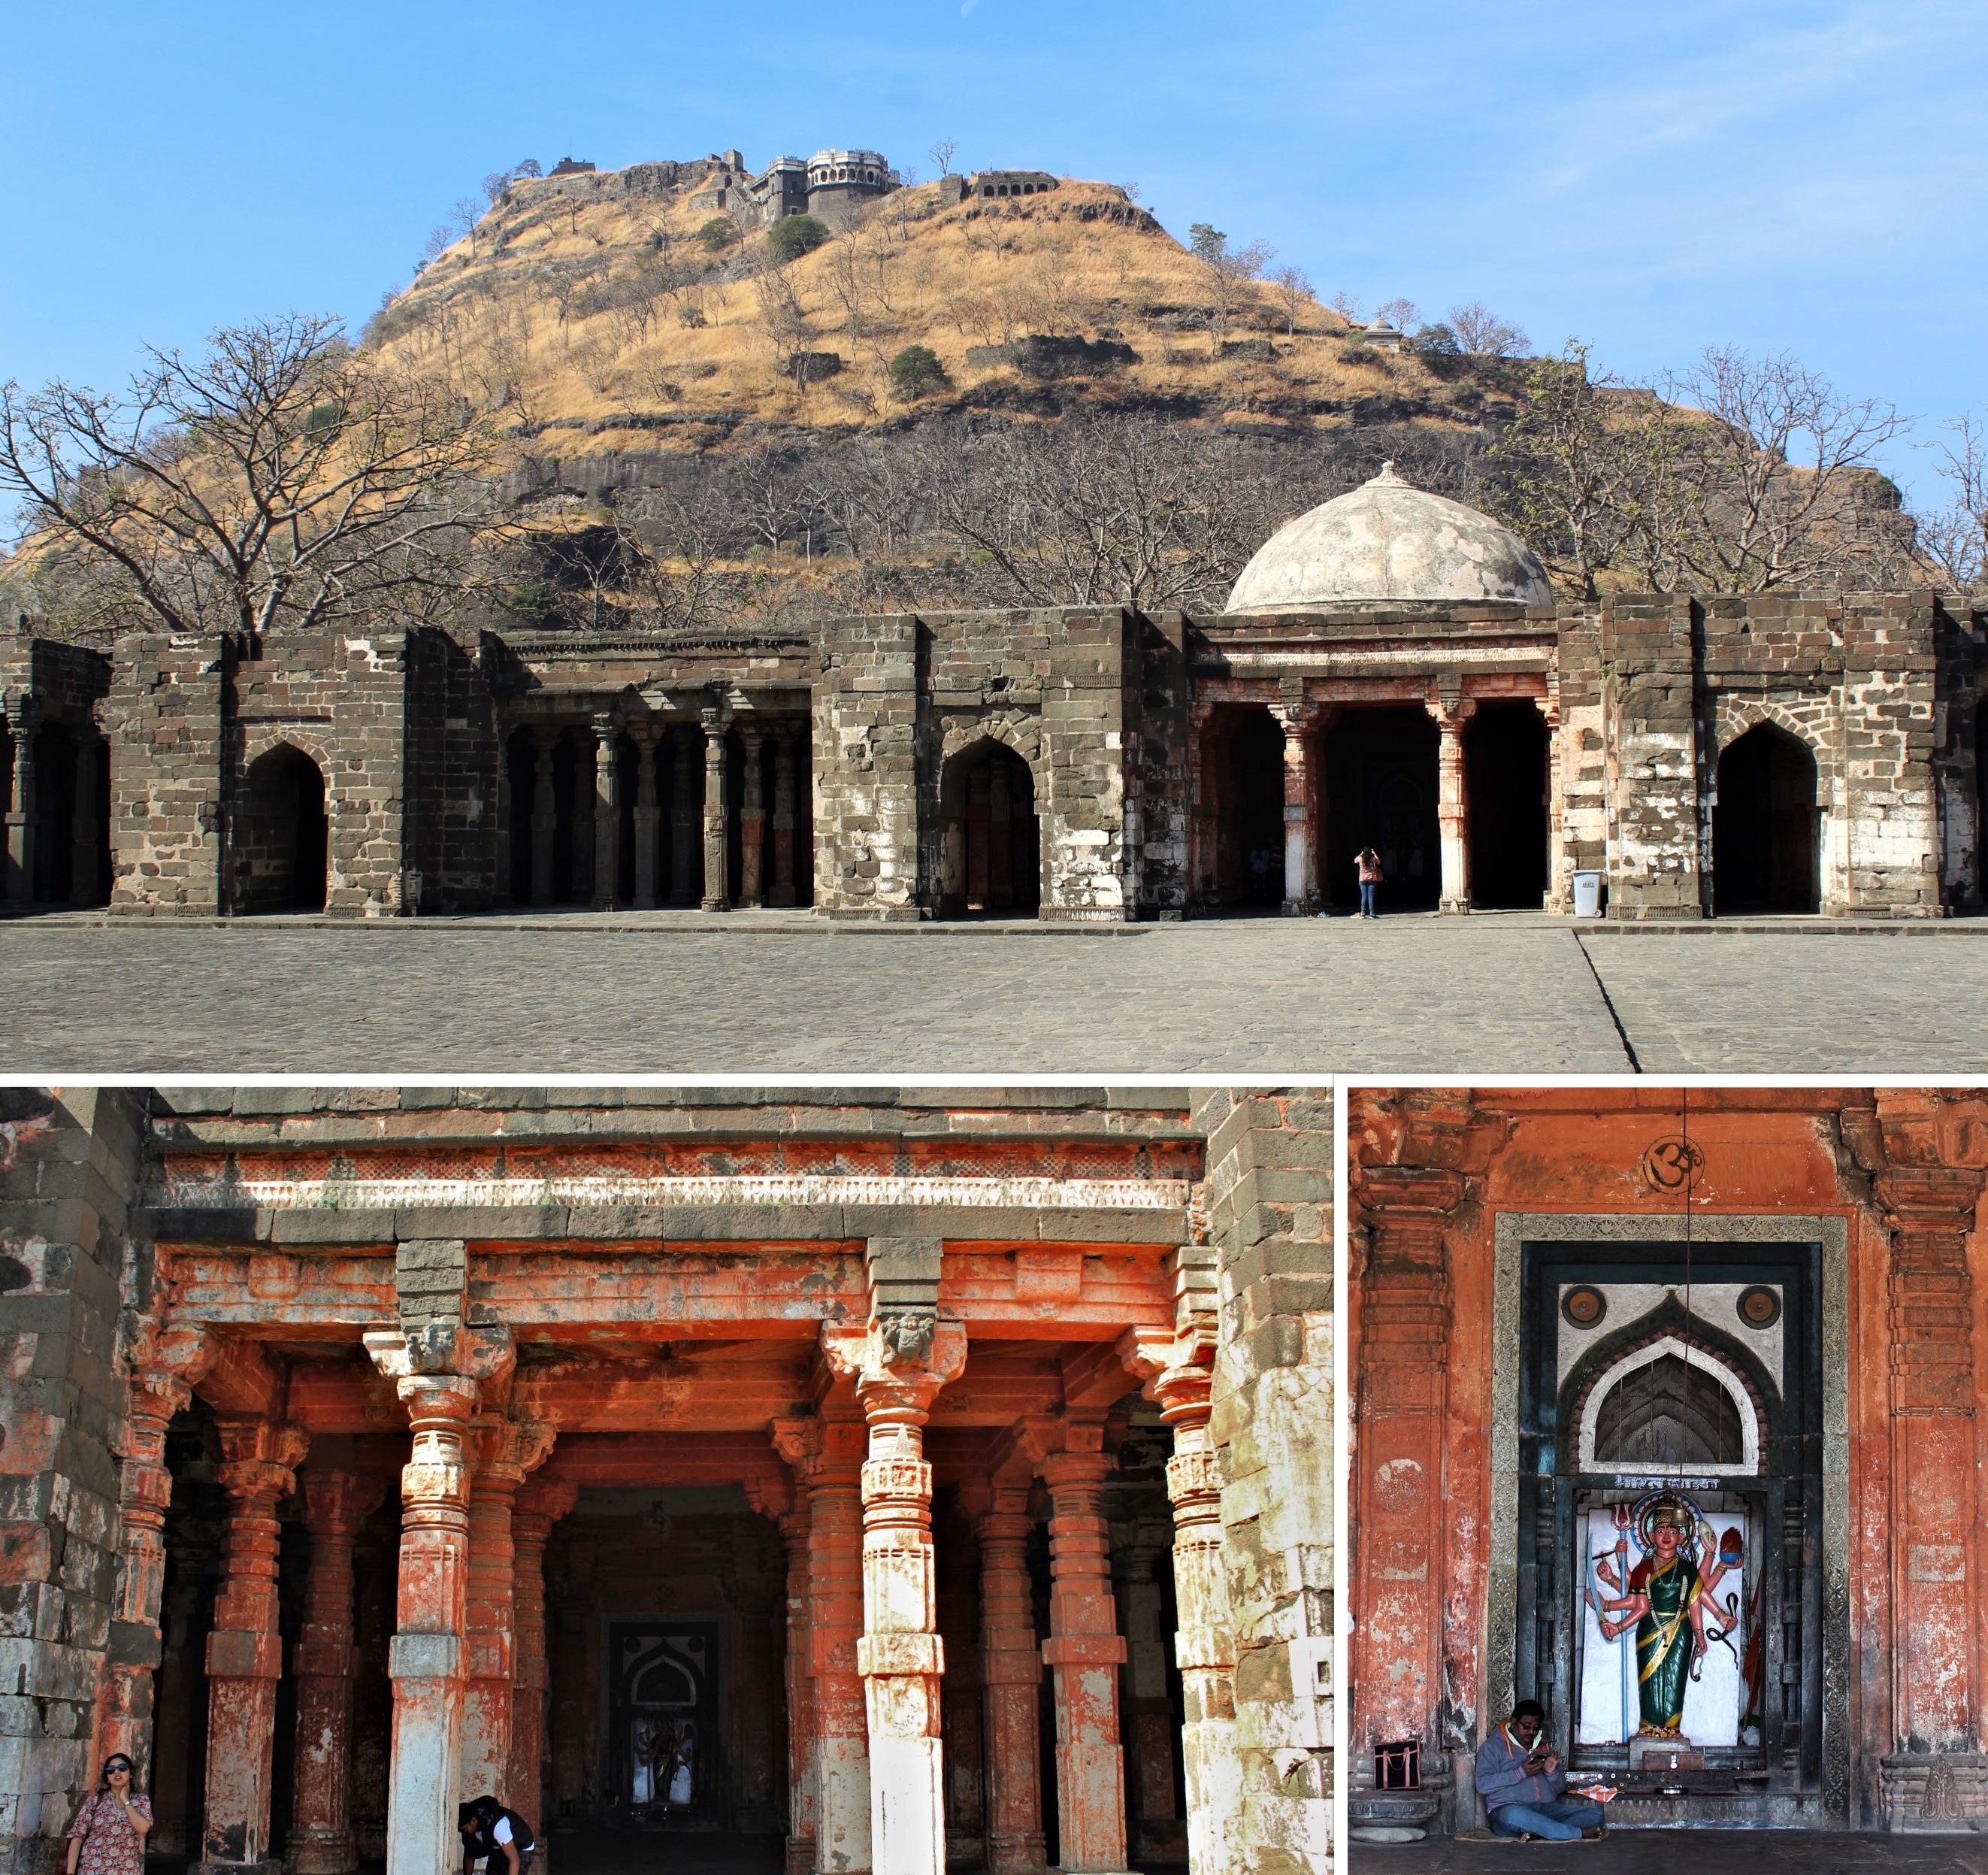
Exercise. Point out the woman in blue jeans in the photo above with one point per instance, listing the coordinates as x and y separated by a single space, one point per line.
1523 1787
1369 863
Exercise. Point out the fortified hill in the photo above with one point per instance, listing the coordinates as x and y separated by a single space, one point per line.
614 315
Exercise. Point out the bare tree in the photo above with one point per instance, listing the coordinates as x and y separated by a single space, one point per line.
1348 308
1954 538
1481 331
1226 271
942 153
279 482
1780 469
1401 313
1294 288
1564 469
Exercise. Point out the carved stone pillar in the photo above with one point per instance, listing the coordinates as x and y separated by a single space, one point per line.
802 1791
898 1365
1204 1638
245 1651
320 1840
21 725
717 812
1083 1654
440 1388
784 817
539 1505
686 817
160 1388
1301 872
1451 805
606 806
1559 874
505 1451
579 888
826 1455
545 813
86 832
645 820
1929 1210
1011 1675
752 823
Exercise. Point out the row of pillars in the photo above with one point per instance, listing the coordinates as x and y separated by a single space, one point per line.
23 816
1304 801
768 854
865 1662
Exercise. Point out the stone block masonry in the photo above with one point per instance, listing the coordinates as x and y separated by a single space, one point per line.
1269 1195
68 1167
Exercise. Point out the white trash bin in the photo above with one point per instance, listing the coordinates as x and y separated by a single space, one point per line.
1587 895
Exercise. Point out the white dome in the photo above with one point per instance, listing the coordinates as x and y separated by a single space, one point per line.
1388 542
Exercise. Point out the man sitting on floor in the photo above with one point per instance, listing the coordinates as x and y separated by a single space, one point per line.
1521 1783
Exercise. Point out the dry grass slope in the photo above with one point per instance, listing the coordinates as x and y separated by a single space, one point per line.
589 304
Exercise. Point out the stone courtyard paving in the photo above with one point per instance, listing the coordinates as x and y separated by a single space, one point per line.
1702 1851
773 994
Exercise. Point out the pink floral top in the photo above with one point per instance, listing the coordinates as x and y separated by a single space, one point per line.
111 1846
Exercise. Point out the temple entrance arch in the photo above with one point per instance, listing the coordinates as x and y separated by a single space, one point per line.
1671 1522
991 851
1242 793
1380 790
1766 825
1505 784
280 841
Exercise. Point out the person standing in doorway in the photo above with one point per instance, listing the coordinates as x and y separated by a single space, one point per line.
1369 863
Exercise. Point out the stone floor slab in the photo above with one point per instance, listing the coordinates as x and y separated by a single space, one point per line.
1482 996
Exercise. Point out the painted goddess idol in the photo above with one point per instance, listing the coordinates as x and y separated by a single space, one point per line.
1664 1597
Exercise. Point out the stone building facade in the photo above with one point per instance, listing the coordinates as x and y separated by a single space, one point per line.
1567 1304
902 1482
1392 671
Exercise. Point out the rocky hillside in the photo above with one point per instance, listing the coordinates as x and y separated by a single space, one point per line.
621 314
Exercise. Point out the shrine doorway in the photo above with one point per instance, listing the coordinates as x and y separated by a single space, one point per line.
1505 784
1766 825
666 1642
1380 791
1242 782
991 858
1673 1543
281 835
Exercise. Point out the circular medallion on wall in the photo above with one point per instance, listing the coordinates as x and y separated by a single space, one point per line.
1671 1164
1584 1306
1760 1307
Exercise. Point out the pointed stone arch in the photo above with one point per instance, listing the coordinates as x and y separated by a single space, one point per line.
279 846
990 798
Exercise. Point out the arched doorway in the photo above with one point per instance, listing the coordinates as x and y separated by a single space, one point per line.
1663 1383
1380 791
280 835
1505 779
1766 825
990 859
54 813
1242 783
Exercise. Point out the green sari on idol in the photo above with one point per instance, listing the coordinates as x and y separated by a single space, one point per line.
1663 1640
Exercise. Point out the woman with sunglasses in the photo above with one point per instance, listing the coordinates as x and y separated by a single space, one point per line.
108 1836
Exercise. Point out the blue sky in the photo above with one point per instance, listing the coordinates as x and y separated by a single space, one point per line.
1652 177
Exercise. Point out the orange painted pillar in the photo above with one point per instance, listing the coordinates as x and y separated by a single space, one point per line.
245 1651
826 1455
539 1505
898 1375
803 1791
1083 1654
506 1451
320 1840
144 1491
1011 1675
752 823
